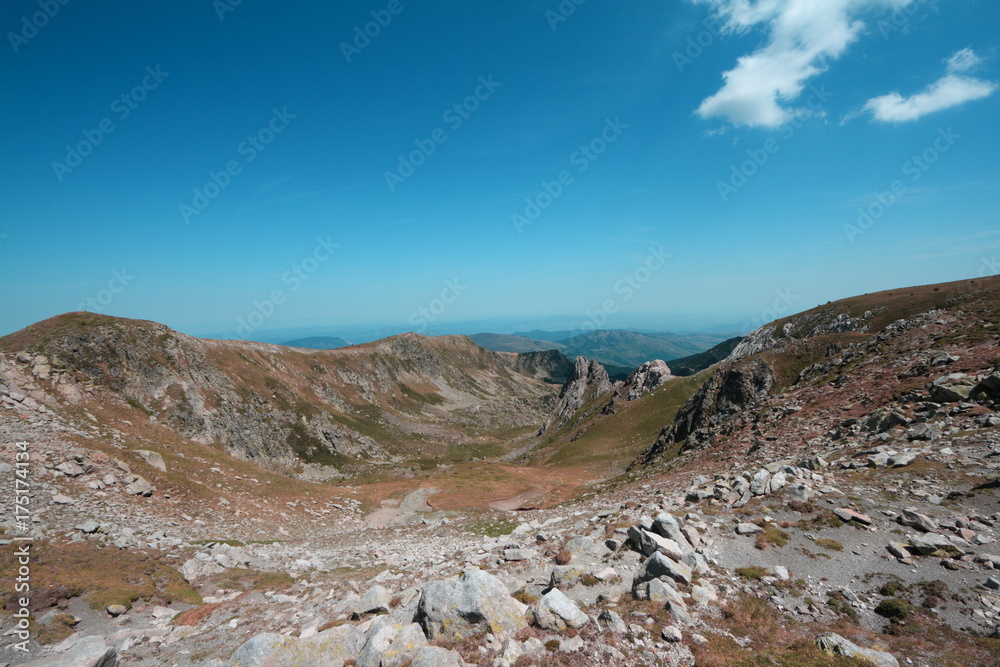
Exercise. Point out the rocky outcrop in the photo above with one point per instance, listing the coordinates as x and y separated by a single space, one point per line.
650 376
587 380
733 390
816 322
330 647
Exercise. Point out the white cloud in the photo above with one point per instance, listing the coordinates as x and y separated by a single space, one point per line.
962 61
951 90
803 36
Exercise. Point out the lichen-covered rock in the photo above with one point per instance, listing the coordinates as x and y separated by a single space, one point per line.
565 576
435 656
375 600
834 644
389 644
330 648
555 611
465 606
91 651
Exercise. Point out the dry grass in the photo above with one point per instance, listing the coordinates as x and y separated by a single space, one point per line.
827 543
58 629
240 579
772 536
102 576
195 616
749 615
754 572
721 651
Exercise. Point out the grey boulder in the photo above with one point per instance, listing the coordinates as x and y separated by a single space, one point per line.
469 605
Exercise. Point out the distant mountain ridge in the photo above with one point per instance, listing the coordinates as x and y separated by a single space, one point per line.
514 343
617 349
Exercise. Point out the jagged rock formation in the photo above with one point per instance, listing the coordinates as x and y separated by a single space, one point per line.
587 380
823 320
731 391
650 376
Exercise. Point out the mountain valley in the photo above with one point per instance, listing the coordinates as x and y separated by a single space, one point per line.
824 494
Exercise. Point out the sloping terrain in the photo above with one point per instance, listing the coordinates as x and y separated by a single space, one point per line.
402 398
549 366
698 362
826 496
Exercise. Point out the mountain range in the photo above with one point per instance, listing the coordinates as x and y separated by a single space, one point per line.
622 348
823 491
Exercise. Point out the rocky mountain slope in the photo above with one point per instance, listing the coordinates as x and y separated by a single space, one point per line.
400 398
826 496
549 365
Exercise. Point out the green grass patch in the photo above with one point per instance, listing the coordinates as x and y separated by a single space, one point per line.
491 527
827 543
754 572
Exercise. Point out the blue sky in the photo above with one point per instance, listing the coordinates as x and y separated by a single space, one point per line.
674 166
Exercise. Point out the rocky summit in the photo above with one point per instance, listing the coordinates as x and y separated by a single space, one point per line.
827 494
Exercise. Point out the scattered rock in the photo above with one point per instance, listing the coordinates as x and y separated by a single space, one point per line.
80 651
474 603
847 514
140 487
555 611
916 520
834 644
658 565
152 458
70 469
748 529
89 526
672 633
